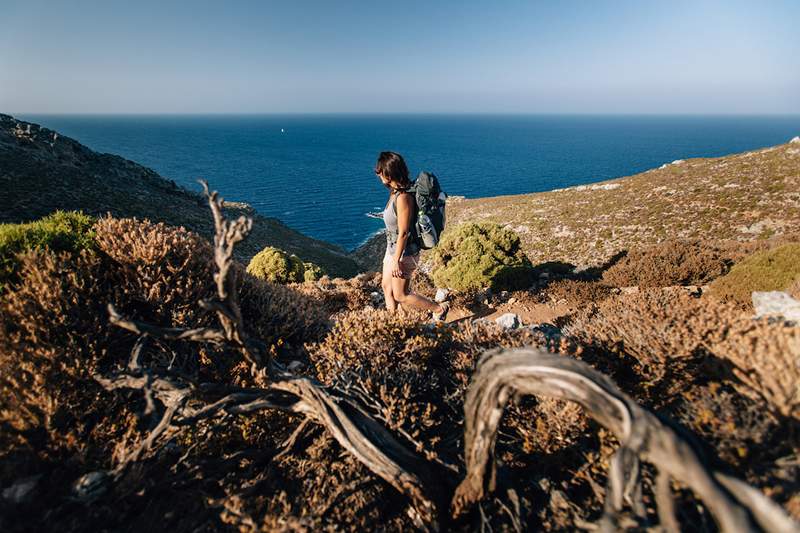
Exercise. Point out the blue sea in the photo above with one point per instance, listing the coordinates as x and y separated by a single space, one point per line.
315 172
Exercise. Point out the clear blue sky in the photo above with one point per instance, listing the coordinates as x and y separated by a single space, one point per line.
340 56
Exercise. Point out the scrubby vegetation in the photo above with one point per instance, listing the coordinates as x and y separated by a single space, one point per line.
312 272
673 262
210 399
740 197
277 266
477 255
60 232
775 269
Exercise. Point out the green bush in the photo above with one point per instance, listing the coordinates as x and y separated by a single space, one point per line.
477 255
61 231
769 270
275 265
312 272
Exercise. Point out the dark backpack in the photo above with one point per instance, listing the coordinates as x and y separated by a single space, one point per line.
430 217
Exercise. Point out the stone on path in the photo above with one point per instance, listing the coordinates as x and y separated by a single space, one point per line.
776 303
508 321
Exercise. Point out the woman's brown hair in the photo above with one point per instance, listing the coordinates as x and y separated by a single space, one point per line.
391 165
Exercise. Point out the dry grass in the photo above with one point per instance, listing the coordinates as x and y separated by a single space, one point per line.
741 197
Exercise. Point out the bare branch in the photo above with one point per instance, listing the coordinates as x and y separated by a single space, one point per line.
227 234
503 373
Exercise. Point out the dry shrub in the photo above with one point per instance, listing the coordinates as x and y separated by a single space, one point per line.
54 335
577 291
336 296
170 269
766 356
161 266
545 425
776 269
673 262
653 325
735 426
413 373
659 328
52 339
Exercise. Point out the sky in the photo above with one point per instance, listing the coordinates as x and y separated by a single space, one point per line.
566 56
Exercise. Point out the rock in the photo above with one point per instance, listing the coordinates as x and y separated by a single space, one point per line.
677 162
91 486
484 296
795 140
512 301
294 366
376 297
21 490
776 303
548 331
508 321
441 295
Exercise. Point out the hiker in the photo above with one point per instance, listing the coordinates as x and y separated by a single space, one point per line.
402 246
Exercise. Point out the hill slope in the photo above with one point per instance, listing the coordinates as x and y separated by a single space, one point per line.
740 197
42 171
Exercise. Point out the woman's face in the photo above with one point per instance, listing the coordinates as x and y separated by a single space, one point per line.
386 181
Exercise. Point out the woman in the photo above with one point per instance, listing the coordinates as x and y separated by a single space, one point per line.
402 249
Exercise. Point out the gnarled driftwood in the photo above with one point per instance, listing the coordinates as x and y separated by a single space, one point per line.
503 373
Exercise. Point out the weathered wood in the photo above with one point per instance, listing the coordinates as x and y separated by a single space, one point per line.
527 371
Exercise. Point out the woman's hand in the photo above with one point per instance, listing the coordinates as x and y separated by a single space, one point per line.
396 271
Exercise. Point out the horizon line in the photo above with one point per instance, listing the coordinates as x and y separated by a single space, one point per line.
401 113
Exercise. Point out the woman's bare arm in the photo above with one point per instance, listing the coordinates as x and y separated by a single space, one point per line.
405 213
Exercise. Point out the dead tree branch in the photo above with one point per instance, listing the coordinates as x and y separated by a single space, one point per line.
503 373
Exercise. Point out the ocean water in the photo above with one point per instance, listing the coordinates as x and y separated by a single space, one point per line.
315 172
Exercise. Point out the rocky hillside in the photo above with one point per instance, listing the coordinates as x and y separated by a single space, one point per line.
42 171
748 196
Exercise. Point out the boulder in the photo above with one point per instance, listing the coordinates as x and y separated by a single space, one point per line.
776 303
795 140
508 321
441 295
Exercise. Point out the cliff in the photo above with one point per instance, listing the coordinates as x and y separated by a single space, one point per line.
42 171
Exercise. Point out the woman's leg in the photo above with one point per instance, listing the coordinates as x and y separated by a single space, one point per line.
401 289
402 295
386 284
